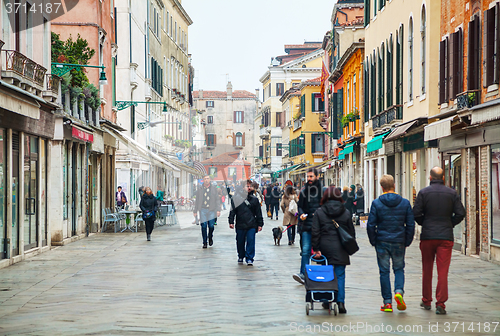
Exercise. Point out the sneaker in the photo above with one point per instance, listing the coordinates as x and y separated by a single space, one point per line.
289 243
440 310
299 278
205 245
240 260
148 237
210 241
250 263
386 308
401 303
423 305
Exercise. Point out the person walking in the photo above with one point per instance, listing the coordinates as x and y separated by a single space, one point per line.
121 198
349 202
325 238
438 210
390 228
159 196
148 205
267 196
309 202
360 201
257 193
345 193
289 219
208 205
275 200
248 212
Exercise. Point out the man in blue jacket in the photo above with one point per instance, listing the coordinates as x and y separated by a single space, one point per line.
390 228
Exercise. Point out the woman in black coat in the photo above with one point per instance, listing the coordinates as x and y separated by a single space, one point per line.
360 201
326 241
148 206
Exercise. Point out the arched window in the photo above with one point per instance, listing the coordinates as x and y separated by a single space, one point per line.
423 27
410 60
239 139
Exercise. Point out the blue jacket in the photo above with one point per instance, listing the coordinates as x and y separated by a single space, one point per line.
391 220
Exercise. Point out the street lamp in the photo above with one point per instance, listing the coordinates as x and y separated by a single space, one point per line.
60 69
123 104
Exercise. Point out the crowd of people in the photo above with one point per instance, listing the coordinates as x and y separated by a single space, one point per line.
321 216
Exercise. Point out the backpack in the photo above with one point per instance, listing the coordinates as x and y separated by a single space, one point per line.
292 207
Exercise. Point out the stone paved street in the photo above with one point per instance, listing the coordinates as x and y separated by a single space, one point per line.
120 284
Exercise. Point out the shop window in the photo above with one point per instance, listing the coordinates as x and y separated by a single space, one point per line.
495 193
453 179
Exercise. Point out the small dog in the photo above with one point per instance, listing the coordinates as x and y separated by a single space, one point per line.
277 234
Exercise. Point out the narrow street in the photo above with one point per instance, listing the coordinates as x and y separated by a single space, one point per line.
121 284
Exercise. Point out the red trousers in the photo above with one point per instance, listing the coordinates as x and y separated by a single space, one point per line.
441 251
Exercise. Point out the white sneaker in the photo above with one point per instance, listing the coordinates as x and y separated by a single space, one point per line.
299 278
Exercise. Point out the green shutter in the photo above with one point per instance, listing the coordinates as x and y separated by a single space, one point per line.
334 117
313 143
313 107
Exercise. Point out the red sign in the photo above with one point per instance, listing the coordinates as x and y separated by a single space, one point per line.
79 134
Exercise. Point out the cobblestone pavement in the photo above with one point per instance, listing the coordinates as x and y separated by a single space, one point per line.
120 284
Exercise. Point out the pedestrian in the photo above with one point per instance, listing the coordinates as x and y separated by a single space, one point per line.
141 191
325 238
309 202
360 201
275 200
257 192
390 228
267 195
121 198
345 193
349 202
290 218
148 206
246 208
159 196
221 195
208 205
438 210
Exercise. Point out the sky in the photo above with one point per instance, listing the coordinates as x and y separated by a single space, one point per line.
236 39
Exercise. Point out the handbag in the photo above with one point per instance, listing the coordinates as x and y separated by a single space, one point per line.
348 242
124 200
147 214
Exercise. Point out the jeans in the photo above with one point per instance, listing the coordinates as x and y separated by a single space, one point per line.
291 233
441 251
207 218
246 236
306 251
385 252
275 208
339 271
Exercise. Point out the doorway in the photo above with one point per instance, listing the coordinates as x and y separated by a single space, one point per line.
30 170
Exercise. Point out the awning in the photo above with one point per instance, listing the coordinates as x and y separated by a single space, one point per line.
401 130
485 112
376 143
266 171
438 129
341 155
304 169
349 148
182 166
141 150
283 170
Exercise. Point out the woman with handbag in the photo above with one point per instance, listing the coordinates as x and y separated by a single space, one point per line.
289 202
121 199
148 206
331 223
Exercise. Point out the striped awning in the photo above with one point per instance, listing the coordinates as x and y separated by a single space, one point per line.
200 167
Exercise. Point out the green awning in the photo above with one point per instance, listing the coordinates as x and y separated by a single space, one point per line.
341 155
283 170
376 143
349 148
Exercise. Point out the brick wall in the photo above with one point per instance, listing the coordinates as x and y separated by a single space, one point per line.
484 186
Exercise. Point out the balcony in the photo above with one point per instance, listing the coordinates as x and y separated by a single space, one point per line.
51 91
19 70
297 123
388 117
468 99
264 132
323 122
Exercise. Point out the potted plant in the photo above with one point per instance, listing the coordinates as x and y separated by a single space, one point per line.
349 117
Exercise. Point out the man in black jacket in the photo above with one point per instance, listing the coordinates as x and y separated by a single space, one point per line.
275 200
208 204
438 209
246 207
309 202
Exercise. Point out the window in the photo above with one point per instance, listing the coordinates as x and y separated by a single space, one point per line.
317 143
495 192
212 171
492 45
210 103
443 71
423 27
211 138
366 96
278 119
373 87
231 171
279 149
269 93
239 139
389 70
238 117
280 89
399 73
347 97
261 152
367 12
318 105
210 119
354 92
474 55
410 60
175 32
167 22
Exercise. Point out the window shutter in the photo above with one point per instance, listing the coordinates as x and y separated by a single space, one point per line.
442 50
206 140
313 143
496 71
313 102
367 12
489 38
234 117
451 63
242 113
321 105
243 139
261 152
472 59
234 139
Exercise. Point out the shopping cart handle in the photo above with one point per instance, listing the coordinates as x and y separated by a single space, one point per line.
323 258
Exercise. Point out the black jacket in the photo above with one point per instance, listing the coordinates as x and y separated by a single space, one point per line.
214 198
324 234
275 195
267 198
309 199
360 201
246 208
438 209
148 203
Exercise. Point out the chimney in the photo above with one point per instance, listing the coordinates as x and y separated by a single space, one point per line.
257 93
229 89
200 94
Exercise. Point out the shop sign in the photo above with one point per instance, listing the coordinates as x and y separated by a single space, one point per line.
81 135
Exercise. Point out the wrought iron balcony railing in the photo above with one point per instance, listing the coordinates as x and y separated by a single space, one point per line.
468 99
393 113
23 66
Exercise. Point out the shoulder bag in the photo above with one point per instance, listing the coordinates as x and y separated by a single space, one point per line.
348 242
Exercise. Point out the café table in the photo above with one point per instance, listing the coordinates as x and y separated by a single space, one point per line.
128 222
